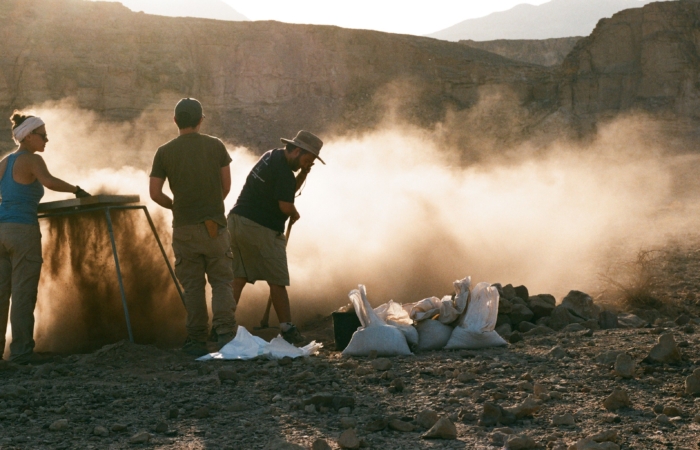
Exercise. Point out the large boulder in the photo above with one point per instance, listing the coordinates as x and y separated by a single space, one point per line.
561 316
520 313
581 305
541 305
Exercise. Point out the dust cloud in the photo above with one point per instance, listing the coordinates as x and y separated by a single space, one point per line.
402 209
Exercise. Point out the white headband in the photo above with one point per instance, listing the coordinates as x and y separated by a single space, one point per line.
23 130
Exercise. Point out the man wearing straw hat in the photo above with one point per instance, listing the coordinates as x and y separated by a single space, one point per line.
256 223
197 169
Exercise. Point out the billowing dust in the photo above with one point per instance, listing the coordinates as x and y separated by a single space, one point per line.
401 209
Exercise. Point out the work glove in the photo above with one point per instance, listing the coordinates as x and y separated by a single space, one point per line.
80 193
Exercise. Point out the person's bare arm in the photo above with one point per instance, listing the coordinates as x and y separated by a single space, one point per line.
155 189
288 209
41 172
226 180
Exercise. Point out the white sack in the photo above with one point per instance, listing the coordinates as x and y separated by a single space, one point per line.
447 309
246 346
375 335
476 329
395 314
432 334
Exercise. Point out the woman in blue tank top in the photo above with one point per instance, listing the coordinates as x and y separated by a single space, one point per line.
23 176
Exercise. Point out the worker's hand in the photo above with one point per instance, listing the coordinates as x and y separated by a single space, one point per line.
306 170
80 193
294 217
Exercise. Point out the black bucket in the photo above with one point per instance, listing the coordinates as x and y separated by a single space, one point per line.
344 325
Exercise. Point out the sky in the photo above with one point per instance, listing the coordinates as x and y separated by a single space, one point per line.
407 17
393 16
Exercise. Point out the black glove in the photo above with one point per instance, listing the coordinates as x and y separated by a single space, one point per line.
81 193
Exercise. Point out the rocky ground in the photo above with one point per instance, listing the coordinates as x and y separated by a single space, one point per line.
584 389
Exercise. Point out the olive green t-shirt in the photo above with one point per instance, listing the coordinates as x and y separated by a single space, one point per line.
192 165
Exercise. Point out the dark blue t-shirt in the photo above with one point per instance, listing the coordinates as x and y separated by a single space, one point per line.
270 181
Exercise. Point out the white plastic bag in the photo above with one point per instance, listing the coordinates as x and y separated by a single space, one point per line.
246 346
395 314
447 309
375 335
432 334
476 329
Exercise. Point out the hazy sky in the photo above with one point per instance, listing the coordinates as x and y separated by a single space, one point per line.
393 16
410 17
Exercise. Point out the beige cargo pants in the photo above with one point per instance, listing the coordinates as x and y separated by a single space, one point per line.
20 268
197 255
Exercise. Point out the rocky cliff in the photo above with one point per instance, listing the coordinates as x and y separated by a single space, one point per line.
544 52
257 80
640 59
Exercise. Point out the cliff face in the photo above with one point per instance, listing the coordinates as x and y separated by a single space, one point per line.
544 52
257 80
646 58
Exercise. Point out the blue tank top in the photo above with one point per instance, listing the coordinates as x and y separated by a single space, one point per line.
19 202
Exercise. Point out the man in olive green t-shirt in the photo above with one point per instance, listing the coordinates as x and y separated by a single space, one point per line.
197 169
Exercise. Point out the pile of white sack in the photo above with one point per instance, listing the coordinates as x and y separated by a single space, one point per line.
465 320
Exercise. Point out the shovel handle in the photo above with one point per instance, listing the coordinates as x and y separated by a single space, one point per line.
265 322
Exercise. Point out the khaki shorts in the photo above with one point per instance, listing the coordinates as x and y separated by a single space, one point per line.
259 253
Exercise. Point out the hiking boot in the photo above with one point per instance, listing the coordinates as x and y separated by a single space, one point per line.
224 338
194 347
293 336
35 359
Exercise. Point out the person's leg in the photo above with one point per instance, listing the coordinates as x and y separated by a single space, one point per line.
280 300
219 270
190 270
26 270
5 289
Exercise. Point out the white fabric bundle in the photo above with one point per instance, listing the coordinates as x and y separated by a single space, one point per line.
23 130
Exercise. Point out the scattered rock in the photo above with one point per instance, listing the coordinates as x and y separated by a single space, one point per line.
672 411
520 313
561 317
382 364
618 399
683 319
625 366
490 415
426 418
161 427
665 352
524 327
228 375
541 305
692 385
522 292
397 385
118 427
100 431
525 409
443 429
581 305
281 444
608 320
348 422
515 337
563 420
626 320
201 413
400 425
504 329
377 425
140 438
348 439
573 328
59 425
320 444
557 353
520 443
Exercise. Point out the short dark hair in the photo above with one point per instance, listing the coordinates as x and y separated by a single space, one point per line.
183 119
18 118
